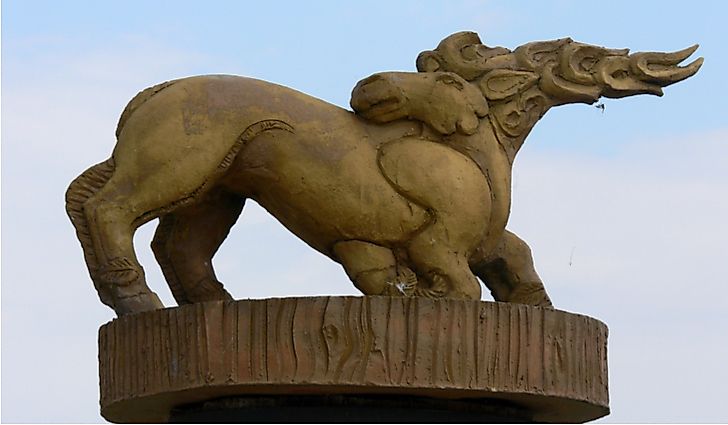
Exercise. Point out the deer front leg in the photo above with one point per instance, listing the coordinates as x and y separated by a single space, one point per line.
510 275
374 270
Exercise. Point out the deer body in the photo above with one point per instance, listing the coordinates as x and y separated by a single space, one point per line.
410 194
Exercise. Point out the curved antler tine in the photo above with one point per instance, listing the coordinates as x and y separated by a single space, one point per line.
662 69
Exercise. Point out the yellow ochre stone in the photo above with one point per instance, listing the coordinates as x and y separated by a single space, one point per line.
410 192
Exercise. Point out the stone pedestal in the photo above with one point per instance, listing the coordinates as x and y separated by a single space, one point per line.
353 359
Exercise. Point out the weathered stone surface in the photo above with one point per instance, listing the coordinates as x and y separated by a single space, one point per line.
410 192
551 362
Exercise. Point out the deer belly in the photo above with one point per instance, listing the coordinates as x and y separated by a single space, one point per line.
325 191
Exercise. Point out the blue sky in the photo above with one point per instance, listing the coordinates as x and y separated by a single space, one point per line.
624 209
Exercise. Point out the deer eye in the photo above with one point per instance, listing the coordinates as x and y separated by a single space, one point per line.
470 52
620 74
588 63
450 80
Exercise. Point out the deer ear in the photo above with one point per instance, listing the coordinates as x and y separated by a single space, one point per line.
460 105
429 61
502 83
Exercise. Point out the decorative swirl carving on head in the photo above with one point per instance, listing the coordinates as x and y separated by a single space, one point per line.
464 54
566 71
568 74
463 80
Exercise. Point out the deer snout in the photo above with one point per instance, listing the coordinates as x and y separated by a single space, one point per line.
377 98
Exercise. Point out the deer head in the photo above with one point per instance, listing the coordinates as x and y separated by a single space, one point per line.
463 80
566 71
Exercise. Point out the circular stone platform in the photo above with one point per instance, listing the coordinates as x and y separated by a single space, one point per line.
529 363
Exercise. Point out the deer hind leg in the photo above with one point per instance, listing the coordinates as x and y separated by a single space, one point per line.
510 275
187 239
120 278
81 190
130 198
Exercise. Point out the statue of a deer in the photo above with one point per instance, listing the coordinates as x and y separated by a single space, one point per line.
410 194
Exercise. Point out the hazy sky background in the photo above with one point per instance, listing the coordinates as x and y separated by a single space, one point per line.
625 209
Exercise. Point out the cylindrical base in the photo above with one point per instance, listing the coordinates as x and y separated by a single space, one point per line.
441 352
350 409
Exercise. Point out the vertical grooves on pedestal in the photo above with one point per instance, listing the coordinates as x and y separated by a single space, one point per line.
111 334
218 347
118 356
244 337
188 349
170 360
270 327
316 334
128 356
596 350
259 341
177 329
165 355
200 341
502 344
374 341
229 342
367 335
126 361
352 349
142 354
477 345
568 371
451 340
106 368
535 348
410 321
150 379
435 344
603 360
301 341
487 316
194 342
374 321
595 384
156 347
523 352
135 356
396 347
511 344
103 361
290 305
582 385
473 334
589 360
